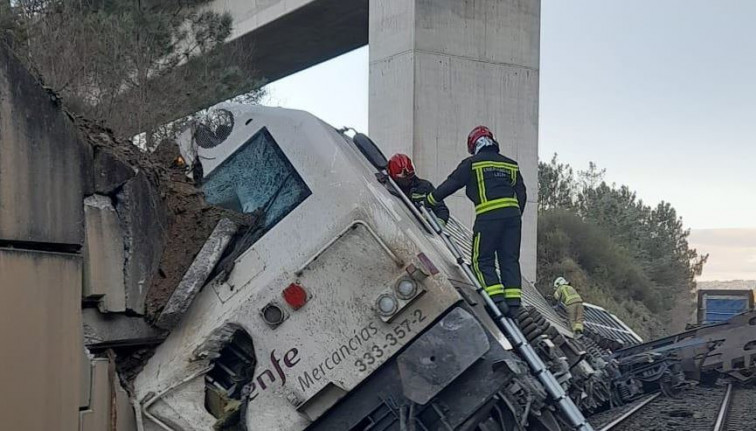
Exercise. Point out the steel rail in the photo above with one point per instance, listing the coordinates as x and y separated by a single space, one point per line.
622 418
724 409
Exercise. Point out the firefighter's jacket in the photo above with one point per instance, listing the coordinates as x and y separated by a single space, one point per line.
567 295
418 191
493 183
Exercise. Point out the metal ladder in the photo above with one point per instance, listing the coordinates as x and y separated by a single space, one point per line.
510 329
568 409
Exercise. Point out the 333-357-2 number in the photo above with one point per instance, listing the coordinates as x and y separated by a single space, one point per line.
398 332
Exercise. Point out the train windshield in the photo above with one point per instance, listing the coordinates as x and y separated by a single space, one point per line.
257 177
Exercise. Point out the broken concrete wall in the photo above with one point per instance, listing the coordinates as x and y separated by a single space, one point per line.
44 174
44 168
104 255
128 246
106 330
143 222
164 218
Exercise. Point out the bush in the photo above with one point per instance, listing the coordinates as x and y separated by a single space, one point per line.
617 251
604 272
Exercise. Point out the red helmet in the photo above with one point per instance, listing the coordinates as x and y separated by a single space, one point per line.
400 167
476 134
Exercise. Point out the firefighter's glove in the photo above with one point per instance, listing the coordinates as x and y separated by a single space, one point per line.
441 223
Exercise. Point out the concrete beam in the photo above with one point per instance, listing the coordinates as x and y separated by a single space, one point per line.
197 274
287 36
283 37
103 254
143 222
438 68
102 331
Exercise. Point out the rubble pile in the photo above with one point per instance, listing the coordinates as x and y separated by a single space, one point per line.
163 216
146 223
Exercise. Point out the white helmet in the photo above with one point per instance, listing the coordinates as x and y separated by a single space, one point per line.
559 282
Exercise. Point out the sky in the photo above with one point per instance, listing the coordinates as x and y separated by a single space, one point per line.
661 93
732 253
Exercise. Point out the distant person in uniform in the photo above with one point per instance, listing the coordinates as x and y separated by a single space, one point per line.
402 171
494 184
568 296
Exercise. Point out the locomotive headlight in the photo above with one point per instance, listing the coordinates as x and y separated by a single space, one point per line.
387 304
406 288
273 315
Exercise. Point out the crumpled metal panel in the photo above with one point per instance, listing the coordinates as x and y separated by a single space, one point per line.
608 325
734 343
440 355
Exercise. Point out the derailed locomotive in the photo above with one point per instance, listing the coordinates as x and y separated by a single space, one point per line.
338 310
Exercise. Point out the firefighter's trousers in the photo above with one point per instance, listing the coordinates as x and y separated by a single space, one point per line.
575 316
498 239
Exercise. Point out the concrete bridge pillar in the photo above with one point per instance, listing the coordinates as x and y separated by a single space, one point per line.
440 67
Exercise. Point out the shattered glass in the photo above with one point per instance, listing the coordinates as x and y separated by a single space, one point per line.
257 176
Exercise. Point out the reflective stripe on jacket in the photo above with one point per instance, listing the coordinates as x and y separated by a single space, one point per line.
492 182
567 295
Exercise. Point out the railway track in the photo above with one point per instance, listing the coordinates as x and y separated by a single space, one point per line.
698 409
618 414
736 412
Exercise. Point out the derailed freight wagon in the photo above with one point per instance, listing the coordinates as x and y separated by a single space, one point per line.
718 305
338 310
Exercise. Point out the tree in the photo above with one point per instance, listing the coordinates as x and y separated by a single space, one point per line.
618 210
556 185
604 272
636 252
131 65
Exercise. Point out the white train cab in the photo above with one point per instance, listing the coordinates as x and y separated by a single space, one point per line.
341 310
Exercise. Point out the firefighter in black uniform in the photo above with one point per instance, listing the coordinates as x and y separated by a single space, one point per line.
494 184
403 173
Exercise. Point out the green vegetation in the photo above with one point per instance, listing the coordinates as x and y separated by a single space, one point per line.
620 253
130 65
